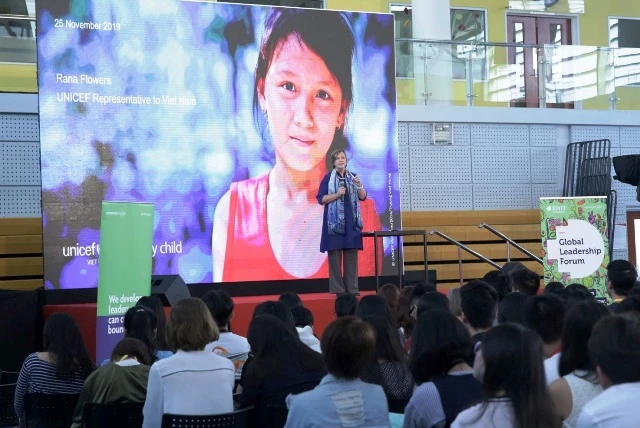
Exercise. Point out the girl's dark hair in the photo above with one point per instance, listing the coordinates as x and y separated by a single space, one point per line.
514 369
278 310
139 323
274 347
371 306
575 336
439 342
63 341
405 320
133 348
328 35
345 305
391 293
388 347
154 304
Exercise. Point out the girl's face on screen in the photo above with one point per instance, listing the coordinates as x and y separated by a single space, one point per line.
303 102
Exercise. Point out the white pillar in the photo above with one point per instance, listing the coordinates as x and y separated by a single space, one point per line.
431 20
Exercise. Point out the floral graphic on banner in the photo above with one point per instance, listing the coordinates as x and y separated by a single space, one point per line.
575 242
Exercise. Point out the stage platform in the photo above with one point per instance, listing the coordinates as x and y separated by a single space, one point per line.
321 304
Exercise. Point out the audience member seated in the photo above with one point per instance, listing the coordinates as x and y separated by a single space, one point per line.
433 300
140 323
388 366
511 308
341 399
509 365
544 314
290 299
446 386
630 304
579 382
416 293
391 293
193 381
454 302
577 293
281 365
479 303
123 380
621 278
614 349
154 304
229 345
405 320
60 368
554 287
278 310
525 281
500 281
370 306
345 305
303 318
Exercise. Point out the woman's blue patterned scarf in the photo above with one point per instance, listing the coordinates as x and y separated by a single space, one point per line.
335 217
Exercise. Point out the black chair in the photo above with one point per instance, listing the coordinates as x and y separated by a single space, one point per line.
8 377
8 415
48 410
237 419
121 415
397 405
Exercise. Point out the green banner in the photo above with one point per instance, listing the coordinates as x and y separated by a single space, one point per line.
126 232
575 244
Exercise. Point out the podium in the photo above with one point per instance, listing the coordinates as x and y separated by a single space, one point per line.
397 234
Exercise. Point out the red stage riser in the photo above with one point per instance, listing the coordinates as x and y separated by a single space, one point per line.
320 304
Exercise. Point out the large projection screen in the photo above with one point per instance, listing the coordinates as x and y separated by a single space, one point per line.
223 116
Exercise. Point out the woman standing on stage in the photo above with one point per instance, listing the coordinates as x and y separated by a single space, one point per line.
341 192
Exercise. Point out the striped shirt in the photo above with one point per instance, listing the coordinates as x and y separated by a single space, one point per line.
39 377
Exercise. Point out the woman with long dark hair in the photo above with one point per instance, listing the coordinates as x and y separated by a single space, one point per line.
281 365
441 347
579 382
388 367
61 367
154 304
509 364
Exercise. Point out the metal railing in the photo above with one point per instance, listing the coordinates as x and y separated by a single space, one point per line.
461 247
509 242
517 75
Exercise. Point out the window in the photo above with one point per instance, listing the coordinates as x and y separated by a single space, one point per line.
467 25
404 30
624 33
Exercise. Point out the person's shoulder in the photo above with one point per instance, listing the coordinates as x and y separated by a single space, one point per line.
251 184
468 417
302 399
163 354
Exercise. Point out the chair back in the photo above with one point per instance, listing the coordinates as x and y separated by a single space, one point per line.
275 416
8 415
121 415
48 410
397 405
238 419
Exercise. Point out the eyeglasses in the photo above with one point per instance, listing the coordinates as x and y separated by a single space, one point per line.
413 309
477 347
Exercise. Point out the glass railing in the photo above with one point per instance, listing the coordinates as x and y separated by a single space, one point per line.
517 75
17 39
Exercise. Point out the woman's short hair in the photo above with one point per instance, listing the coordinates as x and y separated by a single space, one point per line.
373 305
347 346
190 326
345 305
439 342
133 348
334 154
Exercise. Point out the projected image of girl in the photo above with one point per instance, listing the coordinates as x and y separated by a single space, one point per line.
269 227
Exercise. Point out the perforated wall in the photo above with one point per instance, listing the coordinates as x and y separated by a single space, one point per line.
19 165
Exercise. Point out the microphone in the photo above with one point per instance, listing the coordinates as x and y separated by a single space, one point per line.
342 183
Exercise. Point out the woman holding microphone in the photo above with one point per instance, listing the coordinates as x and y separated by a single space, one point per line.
341 192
